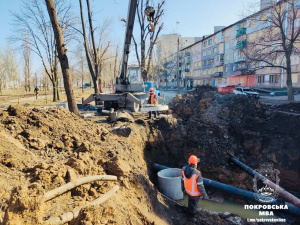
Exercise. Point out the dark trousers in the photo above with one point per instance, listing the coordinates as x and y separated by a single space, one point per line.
193 204
154 113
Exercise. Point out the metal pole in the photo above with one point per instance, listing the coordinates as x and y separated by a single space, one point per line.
178 81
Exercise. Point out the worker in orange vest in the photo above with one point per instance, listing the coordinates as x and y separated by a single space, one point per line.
192 183
152 99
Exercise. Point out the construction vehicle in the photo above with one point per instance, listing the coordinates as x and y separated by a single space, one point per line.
127 94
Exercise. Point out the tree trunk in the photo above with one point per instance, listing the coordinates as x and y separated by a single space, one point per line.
96 86
25 82
289 82
54 90
143 61
87 50
95 51
60 46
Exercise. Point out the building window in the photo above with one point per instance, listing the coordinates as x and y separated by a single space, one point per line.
209 51
209 61
261 79
226 68
273 79
204 63
204 53
215 50
252 23
263 18
209 41
227 33
225 80
204 43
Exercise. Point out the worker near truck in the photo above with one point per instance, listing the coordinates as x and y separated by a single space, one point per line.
152 99
192 184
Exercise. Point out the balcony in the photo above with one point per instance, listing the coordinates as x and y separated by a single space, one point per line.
240 59
218 74
241 44
188 60
247 72
240 32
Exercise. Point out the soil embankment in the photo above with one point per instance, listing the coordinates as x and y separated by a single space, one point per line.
210 125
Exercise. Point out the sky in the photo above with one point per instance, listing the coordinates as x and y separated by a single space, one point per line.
196 17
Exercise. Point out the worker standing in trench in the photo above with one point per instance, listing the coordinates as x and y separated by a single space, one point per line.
152 99
192 183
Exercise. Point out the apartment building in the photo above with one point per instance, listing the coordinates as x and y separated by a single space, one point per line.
219 60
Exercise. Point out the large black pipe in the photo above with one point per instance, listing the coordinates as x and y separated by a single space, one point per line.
281 192
237 191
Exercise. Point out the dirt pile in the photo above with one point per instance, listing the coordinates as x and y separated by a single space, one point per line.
48 148
210 124
41 150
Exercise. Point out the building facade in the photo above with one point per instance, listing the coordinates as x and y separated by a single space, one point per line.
219 59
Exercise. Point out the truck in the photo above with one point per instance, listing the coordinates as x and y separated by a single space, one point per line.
127 94
246 91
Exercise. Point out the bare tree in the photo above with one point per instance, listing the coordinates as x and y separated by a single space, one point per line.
81 65
146 49
11 68
94 54
61 50
167 68
27 64
33 28
277 42
115 63
2 71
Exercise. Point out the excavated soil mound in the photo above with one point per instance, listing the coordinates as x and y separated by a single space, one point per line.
290 107
41 150
210 125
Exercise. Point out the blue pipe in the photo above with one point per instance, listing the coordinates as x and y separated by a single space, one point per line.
237 191
248 169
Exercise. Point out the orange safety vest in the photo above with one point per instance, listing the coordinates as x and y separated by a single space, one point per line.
190 185
151 97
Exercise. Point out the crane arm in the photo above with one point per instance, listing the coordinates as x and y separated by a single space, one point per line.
128 36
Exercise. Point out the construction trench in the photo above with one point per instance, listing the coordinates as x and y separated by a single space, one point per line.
43 149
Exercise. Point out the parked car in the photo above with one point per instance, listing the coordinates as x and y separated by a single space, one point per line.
246 91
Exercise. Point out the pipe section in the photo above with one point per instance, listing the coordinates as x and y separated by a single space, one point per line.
237 191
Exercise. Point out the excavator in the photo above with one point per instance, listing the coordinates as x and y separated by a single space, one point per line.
127 94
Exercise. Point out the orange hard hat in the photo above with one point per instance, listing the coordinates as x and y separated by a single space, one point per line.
151 89
194 160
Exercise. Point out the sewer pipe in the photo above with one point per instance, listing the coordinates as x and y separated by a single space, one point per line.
238 191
